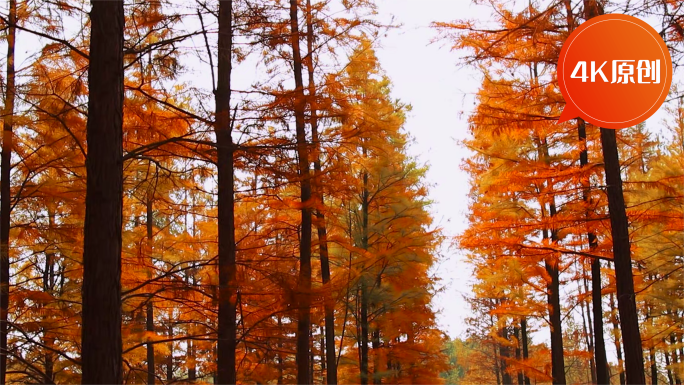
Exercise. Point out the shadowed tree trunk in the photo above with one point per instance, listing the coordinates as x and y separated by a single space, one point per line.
101 330
150 306
525 352
329 306
5 206
624 281
226 201
304 281
618 345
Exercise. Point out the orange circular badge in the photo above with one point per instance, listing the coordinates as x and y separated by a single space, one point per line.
614 71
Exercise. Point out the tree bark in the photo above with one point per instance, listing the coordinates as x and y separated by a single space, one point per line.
150 306
525 352
364 285
624 281
329 305
629 323
101 330
227 313
304 281
618 345
5 191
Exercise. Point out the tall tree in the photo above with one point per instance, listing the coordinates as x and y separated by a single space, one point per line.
304 280
624 279
227 296
5 191
101 331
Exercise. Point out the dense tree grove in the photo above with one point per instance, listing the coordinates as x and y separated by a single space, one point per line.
573 228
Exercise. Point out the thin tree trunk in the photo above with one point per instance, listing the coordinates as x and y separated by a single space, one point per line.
587 333
227 328
49 283
601 361
329 305
525 352
670 379
618 345
192 368
505 353
304 282
675 359
624 281
101 329
553 287
629 322
150 306
169 359
516 333
364 286
5 191
654 366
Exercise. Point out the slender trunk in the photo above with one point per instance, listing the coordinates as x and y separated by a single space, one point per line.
364 286
375 341
49 283
375 344
311 357
602 376
624 281
364 332
226 202
525 352
101 330
618 345
496 366
553 287
670 379
5 206
654 366
329 305
150 306
304 283
675 359
629 322
587 339
169 359
505 353
280 352
192 368
516 333
596 298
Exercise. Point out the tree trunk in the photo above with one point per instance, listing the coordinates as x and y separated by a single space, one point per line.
602 377
516 333
226 202
624 281
101 330
618 345
654 366
525 352
629 322
505 353
150 306
329 305
670 379
364 286
553 287
304 282
5 191
169 359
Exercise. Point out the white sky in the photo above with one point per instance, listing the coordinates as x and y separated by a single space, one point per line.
426 76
